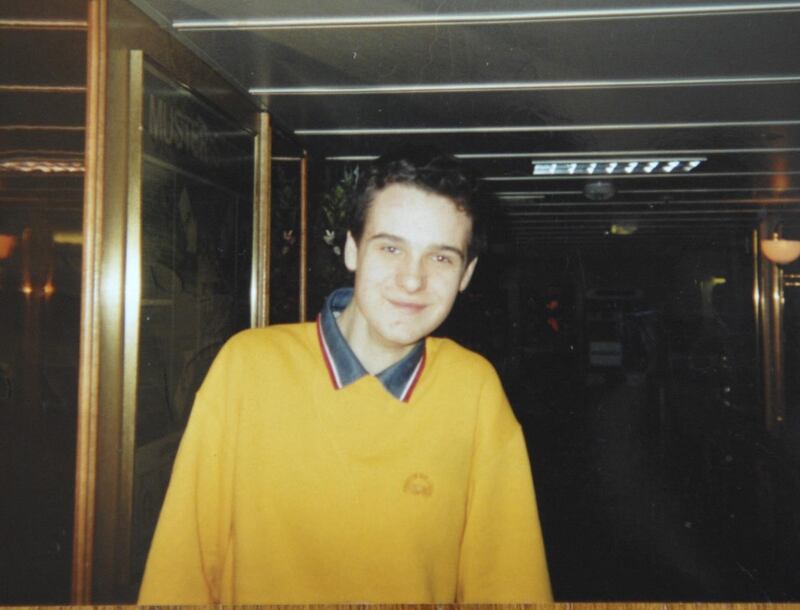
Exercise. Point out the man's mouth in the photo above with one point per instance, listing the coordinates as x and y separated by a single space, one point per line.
408 306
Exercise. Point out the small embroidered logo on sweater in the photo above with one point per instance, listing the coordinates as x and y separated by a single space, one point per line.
418 484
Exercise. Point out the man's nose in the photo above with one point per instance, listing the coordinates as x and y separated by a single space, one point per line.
411 275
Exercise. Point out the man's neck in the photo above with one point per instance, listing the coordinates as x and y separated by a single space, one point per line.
375 355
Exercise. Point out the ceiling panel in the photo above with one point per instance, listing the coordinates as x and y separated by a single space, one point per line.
506 82
554 51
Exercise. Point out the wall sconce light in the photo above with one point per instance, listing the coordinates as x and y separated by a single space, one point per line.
780 251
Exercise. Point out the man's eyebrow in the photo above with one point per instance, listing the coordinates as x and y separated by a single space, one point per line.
388 236
397 239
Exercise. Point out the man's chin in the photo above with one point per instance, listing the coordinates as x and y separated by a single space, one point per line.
403 338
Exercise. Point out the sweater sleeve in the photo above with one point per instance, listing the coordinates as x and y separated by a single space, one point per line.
502 553
187 554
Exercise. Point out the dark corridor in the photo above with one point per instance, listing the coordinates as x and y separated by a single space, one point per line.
655 477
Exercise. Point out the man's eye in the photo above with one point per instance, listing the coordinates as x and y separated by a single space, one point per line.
442 258
390 249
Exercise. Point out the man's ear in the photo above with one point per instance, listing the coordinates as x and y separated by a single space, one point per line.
350 252
467 275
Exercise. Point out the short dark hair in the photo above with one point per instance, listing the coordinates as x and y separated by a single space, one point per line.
428 169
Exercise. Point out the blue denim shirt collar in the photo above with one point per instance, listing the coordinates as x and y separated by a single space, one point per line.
343 365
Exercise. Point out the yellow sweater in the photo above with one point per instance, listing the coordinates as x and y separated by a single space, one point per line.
286 490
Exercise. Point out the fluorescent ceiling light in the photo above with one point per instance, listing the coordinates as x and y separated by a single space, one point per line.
630 154
632 176
496 17
352 158
610 167
519 196
487 129
474 87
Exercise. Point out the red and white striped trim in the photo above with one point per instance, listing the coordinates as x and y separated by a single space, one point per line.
412 383
326 354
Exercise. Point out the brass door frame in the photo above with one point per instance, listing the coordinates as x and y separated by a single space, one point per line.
105 426
88 372
262 223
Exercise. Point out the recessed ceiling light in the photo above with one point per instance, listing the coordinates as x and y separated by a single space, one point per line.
609 166
601 190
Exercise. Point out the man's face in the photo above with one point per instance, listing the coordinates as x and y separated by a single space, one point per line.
409 265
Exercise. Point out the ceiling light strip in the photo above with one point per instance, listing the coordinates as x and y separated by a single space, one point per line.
690 230
487 129
585 230
710 228
593 155
348 158
42 128
580 226
623 160
516 86
606 213
512 194
43 24
532 204
607 234
766 189
697 231
533 224
639 176
636 226
576 226
648 233
626 153
42 89
481 18
538 193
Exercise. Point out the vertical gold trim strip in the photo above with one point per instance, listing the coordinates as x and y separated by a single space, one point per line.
88 371
132 304
770 331
303 236
779 397
262 216
757 306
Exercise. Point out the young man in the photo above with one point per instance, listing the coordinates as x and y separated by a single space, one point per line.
357 459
